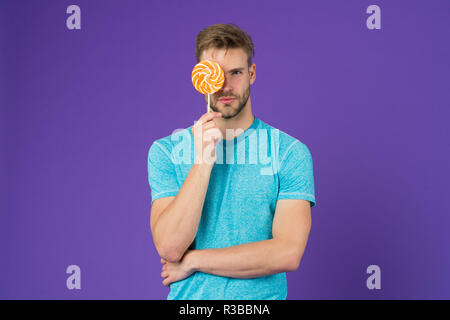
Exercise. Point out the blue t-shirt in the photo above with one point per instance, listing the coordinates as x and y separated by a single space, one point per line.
252 172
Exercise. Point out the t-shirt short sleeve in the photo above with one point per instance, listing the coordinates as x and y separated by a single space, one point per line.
161 172
296 174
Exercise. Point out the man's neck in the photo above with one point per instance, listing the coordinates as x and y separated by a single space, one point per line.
241 122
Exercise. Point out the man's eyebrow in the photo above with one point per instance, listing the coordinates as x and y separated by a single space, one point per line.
237 69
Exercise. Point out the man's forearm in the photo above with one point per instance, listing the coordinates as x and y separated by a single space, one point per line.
177 227
249 260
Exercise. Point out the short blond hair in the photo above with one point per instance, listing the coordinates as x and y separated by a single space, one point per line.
224 36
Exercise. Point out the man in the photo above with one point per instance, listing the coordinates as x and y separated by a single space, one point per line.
230 229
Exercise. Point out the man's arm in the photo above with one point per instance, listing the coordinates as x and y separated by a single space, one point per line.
174 220
282 253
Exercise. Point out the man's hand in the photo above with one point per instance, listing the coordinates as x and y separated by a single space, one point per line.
176 271
206 137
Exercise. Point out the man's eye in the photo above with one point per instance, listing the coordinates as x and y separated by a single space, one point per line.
236 71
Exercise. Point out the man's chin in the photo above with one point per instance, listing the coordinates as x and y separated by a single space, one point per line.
228 113
227 110
224 108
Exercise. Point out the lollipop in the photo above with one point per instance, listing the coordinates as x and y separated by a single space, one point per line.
207 78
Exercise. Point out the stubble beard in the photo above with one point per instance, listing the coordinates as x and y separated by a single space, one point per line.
226 110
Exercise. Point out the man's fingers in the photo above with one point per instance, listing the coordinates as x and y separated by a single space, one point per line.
163 261
164 274
208 117
212 133
166 282
208 125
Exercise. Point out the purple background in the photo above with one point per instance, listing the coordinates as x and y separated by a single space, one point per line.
79 110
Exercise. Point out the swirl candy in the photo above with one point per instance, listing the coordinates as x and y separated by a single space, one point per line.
207 77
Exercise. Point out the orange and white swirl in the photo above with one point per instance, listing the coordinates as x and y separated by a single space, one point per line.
207 77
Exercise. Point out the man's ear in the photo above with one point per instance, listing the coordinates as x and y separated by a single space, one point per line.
252 72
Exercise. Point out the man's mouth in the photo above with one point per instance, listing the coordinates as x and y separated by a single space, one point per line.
226 100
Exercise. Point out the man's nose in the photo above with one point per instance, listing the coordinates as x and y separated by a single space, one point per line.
226 85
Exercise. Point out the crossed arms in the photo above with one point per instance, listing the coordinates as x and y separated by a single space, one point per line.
174 222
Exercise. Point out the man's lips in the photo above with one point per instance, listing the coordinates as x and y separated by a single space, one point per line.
226 100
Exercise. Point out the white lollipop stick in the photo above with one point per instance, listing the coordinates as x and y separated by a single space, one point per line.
207 110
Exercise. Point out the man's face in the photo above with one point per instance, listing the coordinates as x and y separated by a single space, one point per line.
238 78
